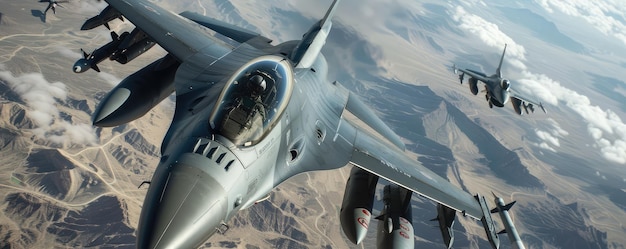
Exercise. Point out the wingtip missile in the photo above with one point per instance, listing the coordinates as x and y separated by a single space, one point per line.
500 208
509 227
456 71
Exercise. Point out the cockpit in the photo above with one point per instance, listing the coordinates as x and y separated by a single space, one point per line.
253 100
505 84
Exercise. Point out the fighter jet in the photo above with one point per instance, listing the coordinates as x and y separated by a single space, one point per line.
52 4
498 90
249 115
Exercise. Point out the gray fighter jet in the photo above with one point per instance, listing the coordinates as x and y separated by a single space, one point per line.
498 90
251 115
52 4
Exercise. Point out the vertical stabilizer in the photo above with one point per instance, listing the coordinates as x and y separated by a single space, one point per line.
500 65
313 40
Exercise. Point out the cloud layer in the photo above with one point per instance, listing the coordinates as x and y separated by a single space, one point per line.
605 126
42 98
600 14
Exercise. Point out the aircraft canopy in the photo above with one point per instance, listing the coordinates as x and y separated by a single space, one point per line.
253 100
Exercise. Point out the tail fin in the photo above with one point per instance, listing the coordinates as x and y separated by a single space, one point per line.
85 54
114 36
505 208
500 65
312 42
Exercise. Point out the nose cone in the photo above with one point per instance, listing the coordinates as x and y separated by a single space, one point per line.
506 95
183 208
81 66
108 112
356 228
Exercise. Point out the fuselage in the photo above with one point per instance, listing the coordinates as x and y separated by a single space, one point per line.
210 171
498 91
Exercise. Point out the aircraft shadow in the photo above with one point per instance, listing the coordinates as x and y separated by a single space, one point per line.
38 13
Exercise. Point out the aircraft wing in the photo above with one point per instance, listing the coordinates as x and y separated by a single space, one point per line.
476 75
388 162
520 101
184 39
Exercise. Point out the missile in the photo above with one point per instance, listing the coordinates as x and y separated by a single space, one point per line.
445 217
133 51
137 93
509 228
358 200
108 14
132 46
98 55
395 225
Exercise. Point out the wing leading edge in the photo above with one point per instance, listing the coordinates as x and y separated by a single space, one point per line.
177 35
392 164
474 74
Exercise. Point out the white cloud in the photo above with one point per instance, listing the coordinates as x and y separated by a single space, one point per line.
488 33
597 13
41 98
606 128
551 137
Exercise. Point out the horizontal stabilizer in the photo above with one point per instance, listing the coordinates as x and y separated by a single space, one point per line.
502 232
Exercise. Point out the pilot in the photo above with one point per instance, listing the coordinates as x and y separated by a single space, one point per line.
257 85
254 102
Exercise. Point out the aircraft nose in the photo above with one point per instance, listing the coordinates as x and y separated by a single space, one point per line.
110 109
184 206
80 66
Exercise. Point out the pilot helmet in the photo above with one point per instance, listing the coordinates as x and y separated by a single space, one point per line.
505 84
257 84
